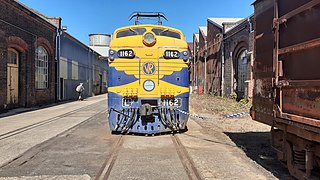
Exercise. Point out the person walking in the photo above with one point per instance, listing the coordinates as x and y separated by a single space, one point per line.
79 90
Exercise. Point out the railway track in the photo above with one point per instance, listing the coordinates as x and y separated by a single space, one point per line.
184 157
44 122
186 160
107 166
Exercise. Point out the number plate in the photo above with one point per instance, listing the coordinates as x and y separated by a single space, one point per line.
171 54
171 102
126 53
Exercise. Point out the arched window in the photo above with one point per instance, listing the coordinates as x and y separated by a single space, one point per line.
41 64
242 72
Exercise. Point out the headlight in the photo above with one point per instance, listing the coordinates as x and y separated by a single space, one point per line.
185 53
111 52
149 39
148 85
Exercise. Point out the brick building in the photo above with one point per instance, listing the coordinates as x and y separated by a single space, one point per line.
195 43
222 58
238 47
27 57
201 55
190 49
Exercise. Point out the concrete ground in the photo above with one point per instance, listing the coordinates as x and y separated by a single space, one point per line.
17 134
72 141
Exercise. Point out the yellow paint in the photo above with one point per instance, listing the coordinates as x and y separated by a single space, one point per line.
136 89
163 67
150 59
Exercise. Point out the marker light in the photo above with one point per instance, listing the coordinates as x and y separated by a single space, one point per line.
185 53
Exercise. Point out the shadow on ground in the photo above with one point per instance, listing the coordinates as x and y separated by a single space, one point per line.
257 146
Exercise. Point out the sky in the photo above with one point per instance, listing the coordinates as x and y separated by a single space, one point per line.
84 17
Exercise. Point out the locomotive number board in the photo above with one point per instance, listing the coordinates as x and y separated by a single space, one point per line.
171 54
126 53
171 102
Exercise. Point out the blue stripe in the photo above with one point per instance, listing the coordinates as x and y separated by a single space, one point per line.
184 95
119 78
113 95
180 78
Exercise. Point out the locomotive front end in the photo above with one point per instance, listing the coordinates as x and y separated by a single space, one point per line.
148 80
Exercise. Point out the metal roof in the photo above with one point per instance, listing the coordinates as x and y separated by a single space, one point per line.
238 23
37 13
220 21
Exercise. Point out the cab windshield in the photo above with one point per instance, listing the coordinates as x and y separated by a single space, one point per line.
166 32
131 32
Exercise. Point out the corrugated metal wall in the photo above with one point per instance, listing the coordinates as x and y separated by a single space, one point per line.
80 64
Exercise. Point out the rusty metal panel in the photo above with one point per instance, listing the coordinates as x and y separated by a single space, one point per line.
300 28
262 65
286 64
302 101
302 63
287 6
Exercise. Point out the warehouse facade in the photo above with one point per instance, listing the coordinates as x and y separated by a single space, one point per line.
27 52
40 62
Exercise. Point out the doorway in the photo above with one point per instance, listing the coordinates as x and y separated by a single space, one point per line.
100 78
12 78
61 89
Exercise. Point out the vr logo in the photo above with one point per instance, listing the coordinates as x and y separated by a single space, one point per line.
149 68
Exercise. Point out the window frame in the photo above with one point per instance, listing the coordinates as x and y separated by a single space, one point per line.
13 51
131 32
166 32
41 68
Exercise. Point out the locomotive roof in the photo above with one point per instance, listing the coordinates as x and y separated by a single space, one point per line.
148 25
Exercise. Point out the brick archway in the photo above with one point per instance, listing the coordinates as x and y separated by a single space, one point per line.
238 51
17 43
44 43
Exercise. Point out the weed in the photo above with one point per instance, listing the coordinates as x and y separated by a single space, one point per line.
218 105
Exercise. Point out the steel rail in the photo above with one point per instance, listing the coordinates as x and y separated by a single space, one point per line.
108 165
185 159
41 123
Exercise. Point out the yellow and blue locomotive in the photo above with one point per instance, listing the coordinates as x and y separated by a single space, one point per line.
148 79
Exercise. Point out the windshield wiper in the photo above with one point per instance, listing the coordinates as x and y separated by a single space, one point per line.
132 30
164 31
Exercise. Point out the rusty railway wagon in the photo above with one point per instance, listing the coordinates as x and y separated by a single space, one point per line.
287 81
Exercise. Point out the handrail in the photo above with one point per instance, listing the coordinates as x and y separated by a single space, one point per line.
139 70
